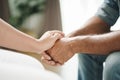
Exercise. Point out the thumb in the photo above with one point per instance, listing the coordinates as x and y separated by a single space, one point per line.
57 36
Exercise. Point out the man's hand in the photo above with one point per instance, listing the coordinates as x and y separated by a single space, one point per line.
59 53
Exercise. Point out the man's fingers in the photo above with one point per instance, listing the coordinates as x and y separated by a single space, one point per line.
58 64
46 56
52 63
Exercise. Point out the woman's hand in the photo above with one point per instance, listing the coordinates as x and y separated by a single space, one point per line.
49 38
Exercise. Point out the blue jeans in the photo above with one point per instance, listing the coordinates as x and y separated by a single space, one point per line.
91 67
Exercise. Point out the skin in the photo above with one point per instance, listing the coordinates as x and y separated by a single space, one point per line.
94 37
14 39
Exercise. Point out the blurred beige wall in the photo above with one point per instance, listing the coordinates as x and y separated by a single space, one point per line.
52 17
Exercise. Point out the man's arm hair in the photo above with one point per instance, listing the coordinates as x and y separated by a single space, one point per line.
96 44
94 25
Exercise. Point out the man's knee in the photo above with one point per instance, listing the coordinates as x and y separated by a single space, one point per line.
112 66
112 60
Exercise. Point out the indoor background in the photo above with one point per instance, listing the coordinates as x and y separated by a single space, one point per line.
35 17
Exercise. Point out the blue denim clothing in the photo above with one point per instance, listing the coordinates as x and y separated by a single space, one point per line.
91 66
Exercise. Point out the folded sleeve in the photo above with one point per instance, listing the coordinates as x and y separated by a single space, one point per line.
109 12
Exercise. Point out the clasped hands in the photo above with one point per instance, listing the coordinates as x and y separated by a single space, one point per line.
59 53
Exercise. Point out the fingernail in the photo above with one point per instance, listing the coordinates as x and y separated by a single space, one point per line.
52 63
48 57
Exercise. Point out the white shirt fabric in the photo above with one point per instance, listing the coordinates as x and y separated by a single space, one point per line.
16 66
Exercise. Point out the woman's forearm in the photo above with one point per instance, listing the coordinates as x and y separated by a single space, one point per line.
14 39
97 44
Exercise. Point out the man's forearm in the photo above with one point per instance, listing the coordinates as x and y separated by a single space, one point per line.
96 44
93 26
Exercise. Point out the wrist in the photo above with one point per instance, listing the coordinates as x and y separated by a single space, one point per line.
78 44
37 47
72 45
